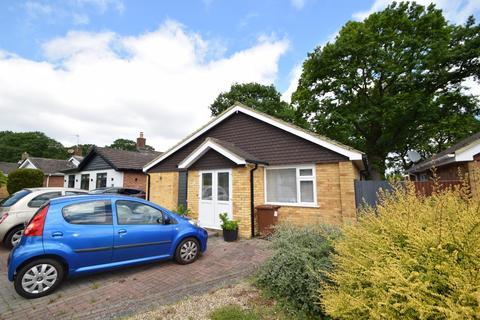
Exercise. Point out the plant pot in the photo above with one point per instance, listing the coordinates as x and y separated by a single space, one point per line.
230 235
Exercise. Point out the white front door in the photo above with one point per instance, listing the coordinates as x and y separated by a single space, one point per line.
215 197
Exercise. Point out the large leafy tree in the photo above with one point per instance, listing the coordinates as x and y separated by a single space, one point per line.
37 144
392 83
257 96
128 145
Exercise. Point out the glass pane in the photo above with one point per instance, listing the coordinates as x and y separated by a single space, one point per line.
306 172
206 186
281 185
306 191
38 201
94 212
131 212
223 186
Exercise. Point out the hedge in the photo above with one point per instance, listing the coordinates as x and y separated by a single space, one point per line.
24 178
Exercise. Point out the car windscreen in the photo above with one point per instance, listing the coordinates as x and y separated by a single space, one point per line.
14 198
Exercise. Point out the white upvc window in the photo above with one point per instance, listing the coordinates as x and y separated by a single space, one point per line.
292 185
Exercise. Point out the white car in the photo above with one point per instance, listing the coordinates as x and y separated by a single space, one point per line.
21 206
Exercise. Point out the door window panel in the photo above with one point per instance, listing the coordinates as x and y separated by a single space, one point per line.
207 186
92 212
71 181
38 201
132 212
223 192
85 182
101 180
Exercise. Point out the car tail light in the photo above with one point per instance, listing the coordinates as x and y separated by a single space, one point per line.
3 217
35 226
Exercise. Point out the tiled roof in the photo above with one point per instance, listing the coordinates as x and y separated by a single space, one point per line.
125 160
236 150
50 166
7 167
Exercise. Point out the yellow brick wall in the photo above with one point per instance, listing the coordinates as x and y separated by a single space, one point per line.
193 187
474 177
348 173
164 189
241 200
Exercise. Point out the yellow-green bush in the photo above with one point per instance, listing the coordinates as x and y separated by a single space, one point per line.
411 258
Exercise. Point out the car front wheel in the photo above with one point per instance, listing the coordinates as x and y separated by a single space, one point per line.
187 251
38 278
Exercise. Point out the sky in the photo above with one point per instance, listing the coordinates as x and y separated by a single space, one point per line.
107 69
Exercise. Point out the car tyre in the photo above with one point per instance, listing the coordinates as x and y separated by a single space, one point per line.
187 251
12 239
38 278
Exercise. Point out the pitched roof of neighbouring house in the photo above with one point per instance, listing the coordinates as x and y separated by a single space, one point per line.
119 159
49 166
448 155
7 167
325 142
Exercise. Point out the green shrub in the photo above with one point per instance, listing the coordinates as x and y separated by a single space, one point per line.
24 178
233 312
3 179
227 224
182 210
301 256
411 258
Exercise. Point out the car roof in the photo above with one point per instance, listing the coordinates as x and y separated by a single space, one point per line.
54 189
93 197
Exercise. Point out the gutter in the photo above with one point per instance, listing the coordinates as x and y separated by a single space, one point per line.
252 193
147 196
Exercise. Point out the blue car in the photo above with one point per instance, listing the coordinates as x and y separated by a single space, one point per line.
78 235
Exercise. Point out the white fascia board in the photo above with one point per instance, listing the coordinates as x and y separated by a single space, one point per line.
202 149
350 154
467 153
26 163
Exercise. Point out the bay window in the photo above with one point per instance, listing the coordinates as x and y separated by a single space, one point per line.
291 185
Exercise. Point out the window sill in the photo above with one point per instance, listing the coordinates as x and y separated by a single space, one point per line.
296 205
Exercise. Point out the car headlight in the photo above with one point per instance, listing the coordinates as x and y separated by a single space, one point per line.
193 222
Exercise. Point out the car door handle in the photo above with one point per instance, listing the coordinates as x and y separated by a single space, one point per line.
57 234
122 232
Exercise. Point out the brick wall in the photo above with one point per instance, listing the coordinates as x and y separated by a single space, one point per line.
135 180
164 189
53 181
241 200
193 187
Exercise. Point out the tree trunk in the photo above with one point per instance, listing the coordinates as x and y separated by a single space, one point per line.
376 167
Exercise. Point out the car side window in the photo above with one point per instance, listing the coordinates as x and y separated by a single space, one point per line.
132 212
90 213
39 200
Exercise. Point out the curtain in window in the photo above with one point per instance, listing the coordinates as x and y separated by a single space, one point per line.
281 185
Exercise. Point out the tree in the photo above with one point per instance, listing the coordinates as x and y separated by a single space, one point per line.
257 96
37 144
393 83
24 178
127 145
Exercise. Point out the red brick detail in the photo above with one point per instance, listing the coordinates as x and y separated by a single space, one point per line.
135 180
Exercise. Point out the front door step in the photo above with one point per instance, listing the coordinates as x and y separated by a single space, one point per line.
212 232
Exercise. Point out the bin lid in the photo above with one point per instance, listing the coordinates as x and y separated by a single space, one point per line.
267 207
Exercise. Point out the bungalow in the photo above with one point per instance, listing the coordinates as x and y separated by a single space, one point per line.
108 167
450 164
52 168
244 158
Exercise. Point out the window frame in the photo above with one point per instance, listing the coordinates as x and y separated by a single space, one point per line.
71 178
108 223
87 176
58 195
139 224
298 179
98 176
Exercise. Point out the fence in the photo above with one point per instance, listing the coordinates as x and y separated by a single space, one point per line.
367 191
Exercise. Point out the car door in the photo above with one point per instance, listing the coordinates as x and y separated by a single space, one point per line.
140 231
85 228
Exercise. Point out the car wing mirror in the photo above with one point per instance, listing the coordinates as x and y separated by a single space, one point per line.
165 220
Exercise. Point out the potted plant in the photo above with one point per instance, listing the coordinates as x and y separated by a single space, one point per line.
230 228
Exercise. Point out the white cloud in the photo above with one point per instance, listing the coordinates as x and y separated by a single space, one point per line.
298 4
295 75
456 11
103 86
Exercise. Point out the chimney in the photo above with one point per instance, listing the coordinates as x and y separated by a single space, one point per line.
77 151
141 142
25 155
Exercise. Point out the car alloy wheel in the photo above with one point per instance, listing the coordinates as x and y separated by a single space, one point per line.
39 278
16 238
188 251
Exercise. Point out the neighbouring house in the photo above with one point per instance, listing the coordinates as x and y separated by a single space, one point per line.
108 167
6 168
51 168
244 158
452 164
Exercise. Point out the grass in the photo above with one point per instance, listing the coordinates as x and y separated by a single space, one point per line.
233 311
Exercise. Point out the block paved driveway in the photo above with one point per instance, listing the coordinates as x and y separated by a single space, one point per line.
128 291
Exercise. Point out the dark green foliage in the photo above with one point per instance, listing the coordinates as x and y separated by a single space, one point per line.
182 210
227 224
37 144
293 273
257 96
24 178
393 83
127 145
231 312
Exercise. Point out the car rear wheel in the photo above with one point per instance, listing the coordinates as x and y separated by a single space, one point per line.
13 237
187 251
38 278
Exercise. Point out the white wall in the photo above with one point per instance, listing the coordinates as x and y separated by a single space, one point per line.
111 174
